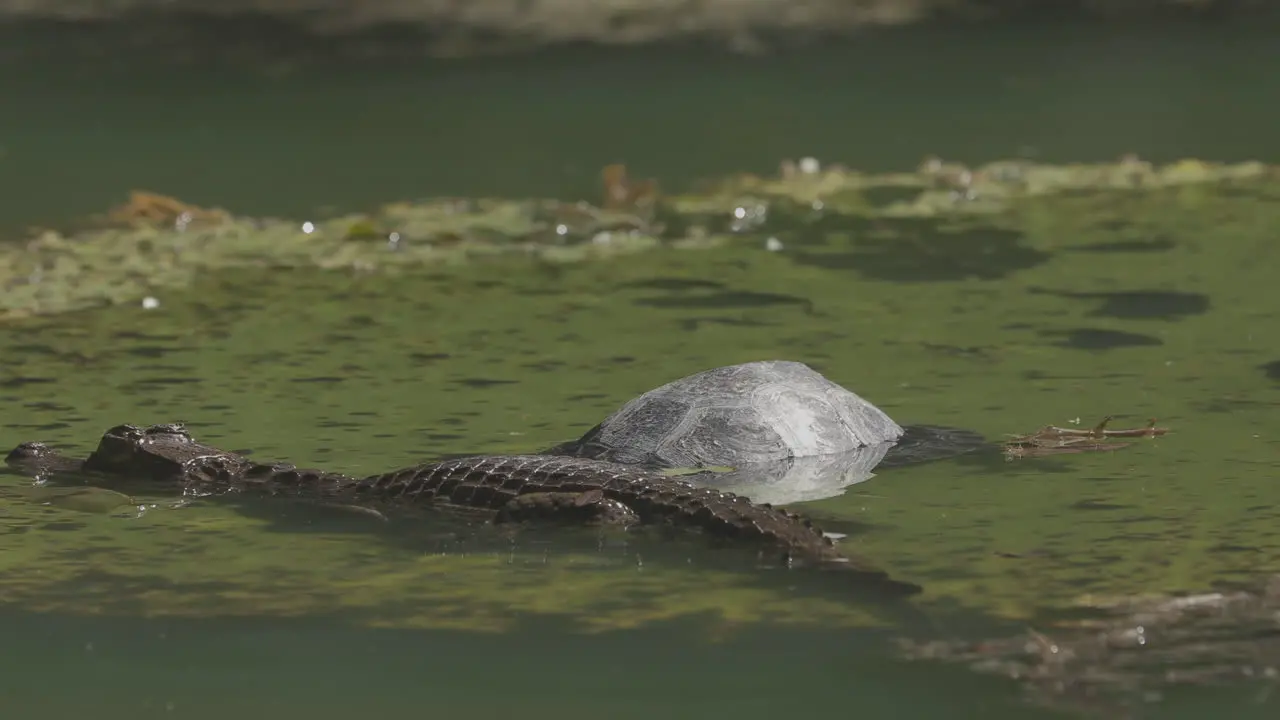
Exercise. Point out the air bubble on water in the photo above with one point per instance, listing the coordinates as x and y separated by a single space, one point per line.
150 303
308 227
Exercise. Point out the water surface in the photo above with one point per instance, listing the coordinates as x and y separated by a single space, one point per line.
1143 305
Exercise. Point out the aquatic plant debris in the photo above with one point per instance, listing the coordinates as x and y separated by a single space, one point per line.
152 209
154 242
1054 440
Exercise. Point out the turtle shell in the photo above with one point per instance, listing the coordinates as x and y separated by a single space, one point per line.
757 412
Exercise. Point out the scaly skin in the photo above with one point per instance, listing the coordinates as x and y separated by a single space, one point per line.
513 487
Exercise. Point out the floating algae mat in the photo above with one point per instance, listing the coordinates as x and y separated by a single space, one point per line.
1000 298
155 242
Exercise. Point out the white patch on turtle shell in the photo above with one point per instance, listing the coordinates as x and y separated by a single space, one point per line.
795 416
815 416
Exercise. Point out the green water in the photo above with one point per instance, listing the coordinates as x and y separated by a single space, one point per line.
264 130
1139 305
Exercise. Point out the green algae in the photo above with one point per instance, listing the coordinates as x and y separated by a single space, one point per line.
53 272
1013 321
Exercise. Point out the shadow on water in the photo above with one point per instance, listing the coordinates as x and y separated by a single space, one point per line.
723 300
1272 370
1100 339
921 251
1128 246
1140 304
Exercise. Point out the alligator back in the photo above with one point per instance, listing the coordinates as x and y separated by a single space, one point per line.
493 481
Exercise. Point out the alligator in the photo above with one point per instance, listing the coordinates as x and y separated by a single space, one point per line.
511 488
782 429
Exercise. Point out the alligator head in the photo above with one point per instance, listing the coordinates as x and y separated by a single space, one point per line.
160 453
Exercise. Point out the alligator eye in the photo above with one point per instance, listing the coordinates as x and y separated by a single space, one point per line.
169 429
123 431
28 451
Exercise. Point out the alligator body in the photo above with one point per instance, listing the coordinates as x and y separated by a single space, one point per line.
509 487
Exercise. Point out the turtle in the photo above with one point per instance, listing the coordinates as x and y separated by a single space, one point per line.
774 430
